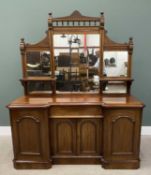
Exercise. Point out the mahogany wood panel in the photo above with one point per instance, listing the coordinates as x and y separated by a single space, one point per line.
76 141
75 111
29 130
89 137
121 137
63 136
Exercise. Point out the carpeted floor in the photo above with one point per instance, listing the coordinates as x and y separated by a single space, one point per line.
6 166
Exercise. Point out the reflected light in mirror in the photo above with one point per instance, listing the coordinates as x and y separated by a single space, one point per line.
75 57
115 63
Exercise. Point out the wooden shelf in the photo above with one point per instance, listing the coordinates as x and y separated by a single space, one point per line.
38 79
89 47
116 79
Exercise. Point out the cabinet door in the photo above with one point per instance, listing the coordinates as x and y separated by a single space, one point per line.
122 135
30 137
63 136
89 136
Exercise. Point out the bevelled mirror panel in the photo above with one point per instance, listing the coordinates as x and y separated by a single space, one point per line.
38 63
115 63
114 87
77 62
39 87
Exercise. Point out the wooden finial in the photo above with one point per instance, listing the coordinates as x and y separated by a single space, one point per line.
131 45
22 45
131 40
50 15
22 40
102 20
102 13
50 20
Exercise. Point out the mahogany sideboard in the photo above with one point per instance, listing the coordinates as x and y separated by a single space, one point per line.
77 106
76 129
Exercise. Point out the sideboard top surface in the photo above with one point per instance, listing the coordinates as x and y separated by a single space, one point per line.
72 99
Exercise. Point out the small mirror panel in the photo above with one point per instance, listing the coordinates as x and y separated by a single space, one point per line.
39 87
38 63
114 87
77 62
115 63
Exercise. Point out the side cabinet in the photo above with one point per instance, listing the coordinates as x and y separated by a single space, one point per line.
30 138
121 137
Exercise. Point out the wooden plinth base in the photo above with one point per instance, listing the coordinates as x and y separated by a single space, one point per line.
76 160
32 165
130 164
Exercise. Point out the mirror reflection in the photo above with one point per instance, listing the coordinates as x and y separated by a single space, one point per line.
77 62
115 63
38 63
113 87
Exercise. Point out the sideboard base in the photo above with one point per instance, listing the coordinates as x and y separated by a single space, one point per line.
76 160
131 164
32 165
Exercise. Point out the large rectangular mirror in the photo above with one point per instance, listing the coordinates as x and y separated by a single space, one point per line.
115 63
77 58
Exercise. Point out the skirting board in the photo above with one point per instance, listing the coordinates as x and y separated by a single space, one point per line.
6 130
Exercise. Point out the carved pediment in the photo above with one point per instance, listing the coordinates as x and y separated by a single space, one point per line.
76 16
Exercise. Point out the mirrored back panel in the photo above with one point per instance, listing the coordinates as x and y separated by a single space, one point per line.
39 87
38 63
115 63
77 58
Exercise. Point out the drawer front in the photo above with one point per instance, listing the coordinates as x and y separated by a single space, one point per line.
76 111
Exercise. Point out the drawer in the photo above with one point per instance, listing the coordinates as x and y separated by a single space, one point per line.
75 111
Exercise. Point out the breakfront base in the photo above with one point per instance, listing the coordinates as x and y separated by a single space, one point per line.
76 133
98 160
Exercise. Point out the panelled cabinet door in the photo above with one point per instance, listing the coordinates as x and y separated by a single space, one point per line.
89 136
63 136
121 134
30 135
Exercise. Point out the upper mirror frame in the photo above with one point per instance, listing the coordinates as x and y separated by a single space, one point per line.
76 24
79 23
111 46
25 48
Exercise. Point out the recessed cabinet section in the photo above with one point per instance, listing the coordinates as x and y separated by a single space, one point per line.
63 136
76 137
89 136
